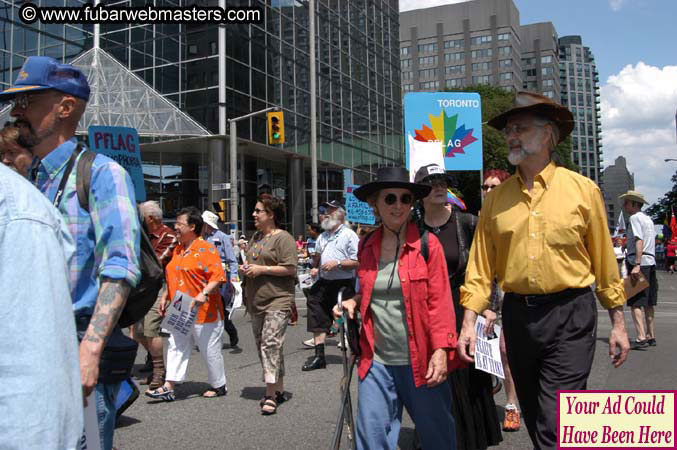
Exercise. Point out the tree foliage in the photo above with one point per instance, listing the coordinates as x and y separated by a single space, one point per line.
496 100
660 210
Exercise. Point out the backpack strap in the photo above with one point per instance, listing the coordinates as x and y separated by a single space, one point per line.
84 177
425 245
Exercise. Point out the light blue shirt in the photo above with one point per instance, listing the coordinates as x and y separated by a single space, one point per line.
337 246
222 242
41 394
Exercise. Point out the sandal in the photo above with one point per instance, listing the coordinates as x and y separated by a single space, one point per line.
280 397
161 393
215 392
269 403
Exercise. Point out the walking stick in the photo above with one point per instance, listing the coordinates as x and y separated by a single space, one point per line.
346 411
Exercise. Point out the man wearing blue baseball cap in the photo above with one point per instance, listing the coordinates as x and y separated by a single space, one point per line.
48 101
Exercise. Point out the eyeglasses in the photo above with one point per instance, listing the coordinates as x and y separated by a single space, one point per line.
488 187
23 100
517 128
436 180
183 224
258 211
405 199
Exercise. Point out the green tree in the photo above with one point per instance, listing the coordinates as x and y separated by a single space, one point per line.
661 210
496 100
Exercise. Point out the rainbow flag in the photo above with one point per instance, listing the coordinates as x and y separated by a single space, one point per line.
455 200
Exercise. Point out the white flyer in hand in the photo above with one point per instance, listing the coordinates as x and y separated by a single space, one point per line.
237 298
305 280
179 318
487 349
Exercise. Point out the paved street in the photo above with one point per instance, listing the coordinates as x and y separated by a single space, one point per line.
307 421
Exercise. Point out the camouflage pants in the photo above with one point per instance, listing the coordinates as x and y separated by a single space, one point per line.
269 328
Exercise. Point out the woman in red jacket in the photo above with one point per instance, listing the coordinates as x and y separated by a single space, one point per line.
408 335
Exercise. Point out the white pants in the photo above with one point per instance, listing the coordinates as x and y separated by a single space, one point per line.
208 338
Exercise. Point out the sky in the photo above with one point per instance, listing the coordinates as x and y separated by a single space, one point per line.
635 48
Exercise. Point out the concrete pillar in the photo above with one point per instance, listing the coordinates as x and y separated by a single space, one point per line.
296 198
217 169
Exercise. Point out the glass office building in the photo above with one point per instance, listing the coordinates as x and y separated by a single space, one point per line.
266 64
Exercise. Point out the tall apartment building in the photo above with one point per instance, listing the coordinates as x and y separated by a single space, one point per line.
539 59
452 46
617 180
266 64
580 92
483 42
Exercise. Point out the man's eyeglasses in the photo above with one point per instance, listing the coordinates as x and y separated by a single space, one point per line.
183 224
517 128
259 211
22 100
405 199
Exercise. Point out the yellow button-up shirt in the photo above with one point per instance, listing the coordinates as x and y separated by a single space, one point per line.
550 239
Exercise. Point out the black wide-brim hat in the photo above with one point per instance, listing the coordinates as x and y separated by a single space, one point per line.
538 105
388 178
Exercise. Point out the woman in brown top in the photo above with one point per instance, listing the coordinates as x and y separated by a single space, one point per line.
271 271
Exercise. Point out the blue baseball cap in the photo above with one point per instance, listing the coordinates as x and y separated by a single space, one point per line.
40 73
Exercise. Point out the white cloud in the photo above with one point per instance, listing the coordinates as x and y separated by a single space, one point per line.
406 5
638 122
616 4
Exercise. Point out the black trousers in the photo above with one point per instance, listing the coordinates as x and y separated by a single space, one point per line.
322 298
550 345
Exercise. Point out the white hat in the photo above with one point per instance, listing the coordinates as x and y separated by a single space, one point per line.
634 196
210 219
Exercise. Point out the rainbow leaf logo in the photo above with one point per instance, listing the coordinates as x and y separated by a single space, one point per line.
444 130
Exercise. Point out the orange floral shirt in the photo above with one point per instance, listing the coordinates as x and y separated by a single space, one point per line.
190 270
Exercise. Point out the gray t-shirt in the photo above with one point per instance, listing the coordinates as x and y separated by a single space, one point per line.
641 227
337 246
391 345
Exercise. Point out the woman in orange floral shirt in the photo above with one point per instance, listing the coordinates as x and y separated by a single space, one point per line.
195 270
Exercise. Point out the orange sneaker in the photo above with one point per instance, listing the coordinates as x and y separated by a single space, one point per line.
512 420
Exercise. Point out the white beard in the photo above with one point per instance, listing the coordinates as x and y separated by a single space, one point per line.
329 223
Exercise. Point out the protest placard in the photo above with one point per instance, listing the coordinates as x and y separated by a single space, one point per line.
357 211
180 317
487 350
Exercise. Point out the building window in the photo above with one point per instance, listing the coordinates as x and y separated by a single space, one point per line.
546 59
405 51
454 43
450 70
547 71
505 63
479 40
483 53
408 87
405 63
505 76
549 82
456 82
427 61
407 75
550 94
482 79
449 57
503 37
192 49
528 61
427 48
430 85
503 51
427 73
531 72
481 67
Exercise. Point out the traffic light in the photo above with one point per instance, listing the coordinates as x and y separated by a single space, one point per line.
276 127
223 213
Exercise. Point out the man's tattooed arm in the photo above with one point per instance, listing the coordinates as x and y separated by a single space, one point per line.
112 298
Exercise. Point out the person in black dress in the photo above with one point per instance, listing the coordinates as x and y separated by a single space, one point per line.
473 407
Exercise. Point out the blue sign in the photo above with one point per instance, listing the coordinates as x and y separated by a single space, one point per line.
357 211
347 179
121 144
453 120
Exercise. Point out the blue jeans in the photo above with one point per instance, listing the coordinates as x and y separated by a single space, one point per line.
381 396
105 394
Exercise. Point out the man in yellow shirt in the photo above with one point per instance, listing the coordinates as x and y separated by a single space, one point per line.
543 234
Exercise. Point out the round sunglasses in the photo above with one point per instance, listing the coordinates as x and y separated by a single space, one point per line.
405 199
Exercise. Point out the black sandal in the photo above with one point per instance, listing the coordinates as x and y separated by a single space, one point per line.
219 392
268 402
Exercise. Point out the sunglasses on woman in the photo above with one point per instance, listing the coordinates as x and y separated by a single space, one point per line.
405 199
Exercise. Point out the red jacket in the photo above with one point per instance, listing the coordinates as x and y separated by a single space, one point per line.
431 321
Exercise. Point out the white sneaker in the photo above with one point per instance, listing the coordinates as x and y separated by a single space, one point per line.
340 344
309 343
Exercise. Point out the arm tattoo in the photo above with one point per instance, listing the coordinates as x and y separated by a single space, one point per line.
112 298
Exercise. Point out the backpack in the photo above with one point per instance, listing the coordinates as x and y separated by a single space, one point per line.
143 296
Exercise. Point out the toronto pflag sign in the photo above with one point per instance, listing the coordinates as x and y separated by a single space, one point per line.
443 128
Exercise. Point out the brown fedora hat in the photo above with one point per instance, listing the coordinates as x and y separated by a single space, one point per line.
539 105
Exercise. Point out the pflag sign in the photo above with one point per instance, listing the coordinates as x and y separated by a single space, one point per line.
453 120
